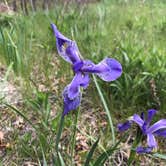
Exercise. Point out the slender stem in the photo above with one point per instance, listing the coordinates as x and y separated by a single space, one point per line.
106 109
61 124
74 136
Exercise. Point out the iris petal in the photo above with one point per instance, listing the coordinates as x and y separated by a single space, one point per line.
74 87
67 48
150 115
108 69
141 149
160 133
85 80
137 119
161 124
72 52
58 34
124 126
70 104
111 69
151 140
143 116
78 80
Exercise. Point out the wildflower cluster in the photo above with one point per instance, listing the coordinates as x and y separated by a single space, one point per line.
108 69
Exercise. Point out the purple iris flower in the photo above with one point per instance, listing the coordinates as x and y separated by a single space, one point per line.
108 70
157 129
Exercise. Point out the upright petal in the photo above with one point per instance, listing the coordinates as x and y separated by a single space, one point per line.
150 115
161 124
151 140
70 104
124 126
108 69
137 119
67 48
143 116
141 149
80 79
144 128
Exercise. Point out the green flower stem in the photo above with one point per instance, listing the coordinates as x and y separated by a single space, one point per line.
135 144
106 109
74 136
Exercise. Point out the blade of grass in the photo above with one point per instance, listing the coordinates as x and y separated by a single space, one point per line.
22 115
106 108
17 56
158 155
9 69
90 154
58 136
104 156
62 163
44 158
39 163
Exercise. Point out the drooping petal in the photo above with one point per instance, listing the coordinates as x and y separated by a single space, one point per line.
67 48
85 80
161 133
150 115
78 80
151 140
141 149
137 119
124 126
70 104
161 124
108 69
74 87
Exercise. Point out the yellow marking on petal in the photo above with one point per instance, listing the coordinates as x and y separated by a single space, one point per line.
64 46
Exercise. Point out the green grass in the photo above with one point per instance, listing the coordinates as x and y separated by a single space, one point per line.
133 33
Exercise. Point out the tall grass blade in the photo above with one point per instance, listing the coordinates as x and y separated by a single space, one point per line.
22 115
